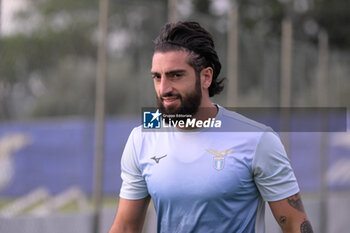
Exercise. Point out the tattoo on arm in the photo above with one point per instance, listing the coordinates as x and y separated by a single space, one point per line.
295 202
283 219
306 227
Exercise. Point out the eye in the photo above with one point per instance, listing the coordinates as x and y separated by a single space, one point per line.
156 76
178 75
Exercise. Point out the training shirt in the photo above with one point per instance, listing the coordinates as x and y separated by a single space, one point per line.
205 181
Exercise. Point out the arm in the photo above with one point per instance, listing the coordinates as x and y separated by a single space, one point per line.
290 215
130 216
277 184
134 197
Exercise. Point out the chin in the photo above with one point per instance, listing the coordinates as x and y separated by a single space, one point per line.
172 110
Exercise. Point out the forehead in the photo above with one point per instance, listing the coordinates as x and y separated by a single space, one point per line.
165 61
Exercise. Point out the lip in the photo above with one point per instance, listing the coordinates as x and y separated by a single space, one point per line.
170 100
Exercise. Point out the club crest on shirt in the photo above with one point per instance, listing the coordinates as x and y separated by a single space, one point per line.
219 159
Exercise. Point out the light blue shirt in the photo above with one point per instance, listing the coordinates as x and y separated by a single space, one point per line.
204 181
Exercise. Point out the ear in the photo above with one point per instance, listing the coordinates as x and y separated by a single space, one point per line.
206 77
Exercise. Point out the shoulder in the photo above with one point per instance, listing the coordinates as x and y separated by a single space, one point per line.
137 131
136 134
140 137
134 139
237 122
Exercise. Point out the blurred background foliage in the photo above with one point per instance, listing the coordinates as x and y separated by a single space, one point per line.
48 67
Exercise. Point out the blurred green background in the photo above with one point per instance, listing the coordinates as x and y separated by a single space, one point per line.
48 53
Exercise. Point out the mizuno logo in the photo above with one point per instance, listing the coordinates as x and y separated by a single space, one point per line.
158 158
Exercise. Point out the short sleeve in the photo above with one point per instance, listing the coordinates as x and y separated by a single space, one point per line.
272 171
133 186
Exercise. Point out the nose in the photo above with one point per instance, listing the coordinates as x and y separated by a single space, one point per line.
165 86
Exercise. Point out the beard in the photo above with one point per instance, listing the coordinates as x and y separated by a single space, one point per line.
189 103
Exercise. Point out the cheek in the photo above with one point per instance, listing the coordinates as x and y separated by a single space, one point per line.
156 87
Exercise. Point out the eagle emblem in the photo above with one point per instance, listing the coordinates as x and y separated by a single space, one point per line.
219 159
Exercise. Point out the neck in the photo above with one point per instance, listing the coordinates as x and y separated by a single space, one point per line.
206 111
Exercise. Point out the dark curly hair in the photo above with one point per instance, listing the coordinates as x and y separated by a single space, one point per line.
194 39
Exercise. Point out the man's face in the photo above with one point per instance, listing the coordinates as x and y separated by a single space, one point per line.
177 87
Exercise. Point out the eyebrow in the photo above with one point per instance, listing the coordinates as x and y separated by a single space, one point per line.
171 72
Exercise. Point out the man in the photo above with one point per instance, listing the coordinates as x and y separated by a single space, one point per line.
201 180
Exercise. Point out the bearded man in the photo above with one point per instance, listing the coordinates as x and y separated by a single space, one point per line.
202 180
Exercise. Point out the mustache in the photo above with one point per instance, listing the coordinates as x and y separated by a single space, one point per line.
170 94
